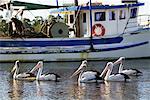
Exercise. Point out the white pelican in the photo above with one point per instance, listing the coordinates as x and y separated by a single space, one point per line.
106 74
126 71
45 77
24 76
86 76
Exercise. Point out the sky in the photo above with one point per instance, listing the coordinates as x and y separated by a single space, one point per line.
44 13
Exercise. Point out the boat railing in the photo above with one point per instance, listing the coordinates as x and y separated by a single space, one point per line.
142 22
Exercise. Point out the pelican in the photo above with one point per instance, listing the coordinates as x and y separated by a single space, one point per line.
106 74
24 76
86 76
133 72
45 77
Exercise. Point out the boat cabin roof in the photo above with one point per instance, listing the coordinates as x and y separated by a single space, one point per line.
96 7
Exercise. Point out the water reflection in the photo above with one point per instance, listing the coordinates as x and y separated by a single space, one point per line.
112 90
77 92
4 85
69 89
16 89
39 89
47 89
104 91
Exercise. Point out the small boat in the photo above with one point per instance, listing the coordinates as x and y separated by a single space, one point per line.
87 76
106 74
22 76
133 72
95 32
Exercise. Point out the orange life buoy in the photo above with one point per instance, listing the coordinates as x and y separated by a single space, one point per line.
98 30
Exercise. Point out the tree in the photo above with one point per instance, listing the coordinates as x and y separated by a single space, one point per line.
27 22
1 17
3 26
50 17
37 23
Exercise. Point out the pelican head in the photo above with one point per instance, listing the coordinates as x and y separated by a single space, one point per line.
15 66
80 69
120 60
110 64
37 66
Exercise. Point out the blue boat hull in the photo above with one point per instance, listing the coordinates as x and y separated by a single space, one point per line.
57 42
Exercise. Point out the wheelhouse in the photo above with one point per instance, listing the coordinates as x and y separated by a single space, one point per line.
107 20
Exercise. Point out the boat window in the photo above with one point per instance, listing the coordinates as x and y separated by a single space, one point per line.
66 18
84 17
112 15
100 16
133 13
71 18
122 14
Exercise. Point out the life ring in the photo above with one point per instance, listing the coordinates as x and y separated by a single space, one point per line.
98 30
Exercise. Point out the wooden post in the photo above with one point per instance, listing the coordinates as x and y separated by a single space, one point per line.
77 23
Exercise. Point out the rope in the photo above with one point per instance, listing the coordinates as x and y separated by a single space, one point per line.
41 2
77 15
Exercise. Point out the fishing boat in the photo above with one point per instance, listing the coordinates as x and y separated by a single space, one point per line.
93 31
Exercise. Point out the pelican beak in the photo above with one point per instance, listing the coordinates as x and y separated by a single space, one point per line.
13 69
78 70
15 66
120 60
34 69
38 65
108 66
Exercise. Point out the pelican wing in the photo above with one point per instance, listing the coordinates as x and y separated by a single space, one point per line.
25 75
90 76
118 77
49 77
129 72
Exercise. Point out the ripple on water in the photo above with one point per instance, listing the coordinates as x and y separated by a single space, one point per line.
68 89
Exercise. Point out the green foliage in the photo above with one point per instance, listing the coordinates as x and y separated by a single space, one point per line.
50 17
3 26
37 23
27 23
31 26
66 18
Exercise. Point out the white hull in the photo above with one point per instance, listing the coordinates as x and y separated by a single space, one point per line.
132 46
136 52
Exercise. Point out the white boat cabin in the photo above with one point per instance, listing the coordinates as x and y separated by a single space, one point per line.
107 20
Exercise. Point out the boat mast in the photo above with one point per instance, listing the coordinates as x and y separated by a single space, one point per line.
77 23
57 5
91 37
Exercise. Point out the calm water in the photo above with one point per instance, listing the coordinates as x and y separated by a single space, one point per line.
68 89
